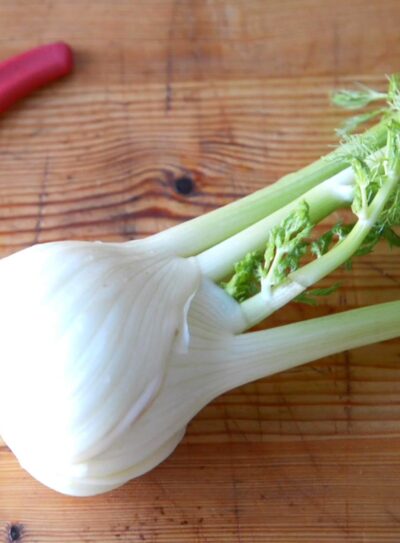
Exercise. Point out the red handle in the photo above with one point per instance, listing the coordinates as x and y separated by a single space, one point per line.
22 74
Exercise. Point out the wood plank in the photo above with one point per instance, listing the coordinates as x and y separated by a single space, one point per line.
114 177
308 490
233 95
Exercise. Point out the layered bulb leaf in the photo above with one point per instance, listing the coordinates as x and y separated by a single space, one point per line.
87 329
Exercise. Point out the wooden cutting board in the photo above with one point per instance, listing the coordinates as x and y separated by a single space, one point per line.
177 107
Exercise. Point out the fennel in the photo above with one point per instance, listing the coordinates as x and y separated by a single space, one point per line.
124 343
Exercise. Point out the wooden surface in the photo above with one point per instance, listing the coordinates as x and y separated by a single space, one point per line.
232 94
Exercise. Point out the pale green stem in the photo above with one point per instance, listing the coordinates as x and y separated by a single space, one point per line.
258 354
218 261
263 304
260 306
221 363
192 237
364 203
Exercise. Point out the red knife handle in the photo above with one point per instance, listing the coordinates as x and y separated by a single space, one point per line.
23 74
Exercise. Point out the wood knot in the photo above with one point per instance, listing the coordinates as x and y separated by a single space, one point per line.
14 532
184 185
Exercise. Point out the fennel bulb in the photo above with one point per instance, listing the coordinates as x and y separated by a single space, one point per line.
116 346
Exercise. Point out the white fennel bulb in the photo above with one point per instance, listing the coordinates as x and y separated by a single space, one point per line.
121 346
98 323
114 347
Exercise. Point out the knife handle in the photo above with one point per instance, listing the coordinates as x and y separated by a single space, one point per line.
24 73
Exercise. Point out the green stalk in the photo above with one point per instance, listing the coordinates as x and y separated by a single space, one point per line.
192 237
260 306
258 354
218 261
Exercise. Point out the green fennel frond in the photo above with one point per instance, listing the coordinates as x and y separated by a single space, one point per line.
393 148
351 124
324 243
356 146
390 216
368 180
310 296
286 245
261 270
391 237
393 94
356 98
245 281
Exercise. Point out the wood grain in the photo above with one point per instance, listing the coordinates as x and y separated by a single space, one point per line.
232 94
